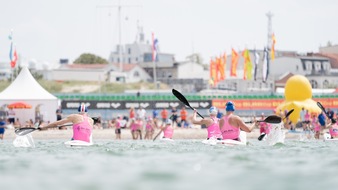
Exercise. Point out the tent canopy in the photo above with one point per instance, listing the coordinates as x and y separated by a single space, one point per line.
26 89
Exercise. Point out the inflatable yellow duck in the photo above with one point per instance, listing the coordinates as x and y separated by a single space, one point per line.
298 95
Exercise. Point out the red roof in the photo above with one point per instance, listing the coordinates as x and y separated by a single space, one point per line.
86 66
333 57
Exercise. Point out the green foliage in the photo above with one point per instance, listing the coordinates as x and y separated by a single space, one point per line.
50 86
88 58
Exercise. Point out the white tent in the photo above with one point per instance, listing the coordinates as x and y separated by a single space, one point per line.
25 88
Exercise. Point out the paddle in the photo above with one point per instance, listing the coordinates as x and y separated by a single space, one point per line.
183 100
269 119
26 130
323 109
158 134
287 115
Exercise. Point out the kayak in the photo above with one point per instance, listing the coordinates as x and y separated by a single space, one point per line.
78 143
166 140
228 142
327 138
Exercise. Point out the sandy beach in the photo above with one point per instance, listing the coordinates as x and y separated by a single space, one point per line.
98 134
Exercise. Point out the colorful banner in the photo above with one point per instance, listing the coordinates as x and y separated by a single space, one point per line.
268 104
213 72
234 62
273 47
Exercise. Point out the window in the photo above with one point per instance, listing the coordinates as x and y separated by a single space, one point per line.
308 65
129 51
325 84
314 84
326 66
136 74
129 60
317 66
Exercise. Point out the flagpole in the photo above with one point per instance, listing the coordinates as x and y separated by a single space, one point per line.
155 77
11 54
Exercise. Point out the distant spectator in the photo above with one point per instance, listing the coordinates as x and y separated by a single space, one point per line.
164 115
132 113
183 114
11 116
330 113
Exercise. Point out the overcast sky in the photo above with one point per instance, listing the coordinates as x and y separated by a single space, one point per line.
47 30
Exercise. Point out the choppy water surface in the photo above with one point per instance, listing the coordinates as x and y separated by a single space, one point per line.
184 164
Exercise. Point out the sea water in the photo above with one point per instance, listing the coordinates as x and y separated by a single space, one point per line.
183 164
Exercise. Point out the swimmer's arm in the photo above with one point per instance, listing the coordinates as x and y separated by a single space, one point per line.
243 126
198 122
68 119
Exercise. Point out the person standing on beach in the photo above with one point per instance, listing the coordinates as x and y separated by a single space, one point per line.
82 124
117 125
231 124
132 113
212 123
150 127
183 115
322 122
11 116
164 115
2 128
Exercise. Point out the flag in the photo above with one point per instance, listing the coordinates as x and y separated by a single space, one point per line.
256 64
234 62
221 68
266 65
154 47
224 63
13 57
247 65
273 47
213 72
244 65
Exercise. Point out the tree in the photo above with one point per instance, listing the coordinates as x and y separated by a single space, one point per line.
195 58
88 58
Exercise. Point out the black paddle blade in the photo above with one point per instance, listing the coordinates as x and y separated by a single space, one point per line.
183 100
273 119
261 136
180 97
289 113
321 107
24 131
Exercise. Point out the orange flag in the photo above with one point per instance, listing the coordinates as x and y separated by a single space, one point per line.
213 72
234 62
220 68
273 47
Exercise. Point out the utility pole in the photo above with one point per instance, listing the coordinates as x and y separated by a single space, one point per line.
119 7
269 15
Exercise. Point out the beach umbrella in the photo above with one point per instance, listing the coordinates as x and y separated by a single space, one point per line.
19 105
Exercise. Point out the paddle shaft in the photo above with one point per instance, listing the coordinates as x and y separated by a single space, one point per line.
184 100
158 134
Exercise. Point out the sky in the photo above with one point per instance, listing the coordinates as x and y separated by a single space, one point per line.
50 30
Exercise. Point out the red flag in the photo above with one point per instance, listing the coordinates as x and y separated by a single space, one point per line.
234 62
14 58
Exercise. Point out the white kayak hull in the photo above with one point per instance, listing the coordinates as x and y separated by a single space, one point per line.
327 138
78 143
228 142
